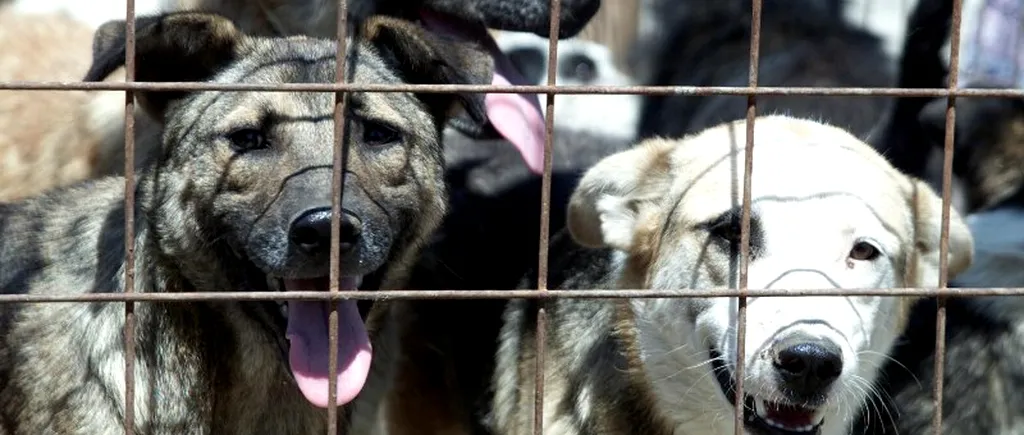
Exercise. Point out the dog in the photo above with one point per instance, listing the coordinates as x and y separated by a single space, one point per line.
34 154
55 138
666 215
239 199
983 333
580 63
514 116
803 43
988 156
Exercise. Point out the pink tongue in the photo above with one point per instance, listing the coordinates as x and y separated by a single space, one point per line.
308 354
518 117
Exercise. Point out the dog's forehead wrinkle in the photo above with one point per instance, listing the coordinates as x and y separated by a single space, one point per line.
309 61
306 60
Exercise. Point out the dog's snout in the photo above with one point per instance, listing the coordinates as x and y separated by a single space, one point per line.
807 366
311 231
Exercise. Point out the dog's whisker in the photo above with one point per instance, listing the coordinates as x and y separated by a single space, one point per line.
895 361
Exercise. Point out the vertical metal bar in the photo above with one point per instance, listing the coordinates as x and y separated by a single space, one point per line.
947 175
338 169
748 167
129 220
549 130
545 215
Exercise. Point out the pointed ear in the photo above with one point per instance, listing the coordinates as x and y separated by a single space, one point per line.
933 120
923 267
611 196
174 47
424 57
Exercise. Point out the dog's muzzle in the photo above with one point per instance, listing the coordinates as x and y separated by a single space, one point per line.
804 369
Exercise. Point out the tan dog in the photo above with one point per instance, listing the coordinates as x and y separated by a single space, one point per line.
827 212
45 139
54 138
239 199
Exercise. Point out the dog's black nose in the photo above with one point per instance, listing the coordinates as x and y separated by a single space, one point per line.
311 231
807 366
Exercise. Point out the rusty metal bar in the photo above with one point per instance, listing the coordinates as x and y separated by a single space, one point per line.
947 192
748 168
524 89
129 220
554 15
338 170
502 294
129 296
549 141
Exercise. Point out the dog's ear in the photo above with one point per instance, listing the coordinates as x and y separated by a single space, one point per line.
923 267
173 47
612 195
932 119
424 57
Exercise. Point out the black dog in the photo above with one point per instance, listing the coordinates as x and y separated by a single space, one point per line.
803 43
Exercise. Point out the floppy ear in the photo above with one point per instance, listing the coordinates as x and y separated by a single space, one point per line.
611 196
423 57
173 47
927 215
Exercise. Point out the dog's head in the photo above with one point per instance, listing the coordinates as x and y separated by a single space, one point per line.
580 63
515 117
241 194
827 211
989 147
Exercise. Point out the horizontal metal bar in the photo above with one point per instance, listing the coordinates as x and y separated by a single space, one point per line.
532 89
501 294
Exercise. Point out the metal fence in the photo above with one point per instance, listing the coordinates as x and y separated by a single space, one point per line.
752 91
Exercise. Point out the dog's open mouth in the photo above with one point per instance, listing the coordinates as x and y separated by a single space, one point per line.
308 335
765 417
517 117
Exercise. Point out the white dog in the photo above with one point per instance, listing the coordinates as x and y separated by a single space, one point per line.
827 212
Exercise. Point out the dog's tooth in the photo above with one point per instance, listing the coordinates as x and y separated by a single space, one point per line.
819 417
284 310
760 407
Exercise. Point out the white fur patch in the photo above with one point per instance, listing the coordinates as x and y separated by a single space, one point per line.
617 221
611 115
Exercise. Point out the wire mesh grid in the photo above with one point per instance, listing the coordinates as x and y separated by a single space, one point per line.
340 88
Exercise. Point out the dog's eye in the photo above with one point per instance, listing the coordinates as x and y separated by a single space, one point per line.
247 139
728 230
580 67
864 251
376 134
